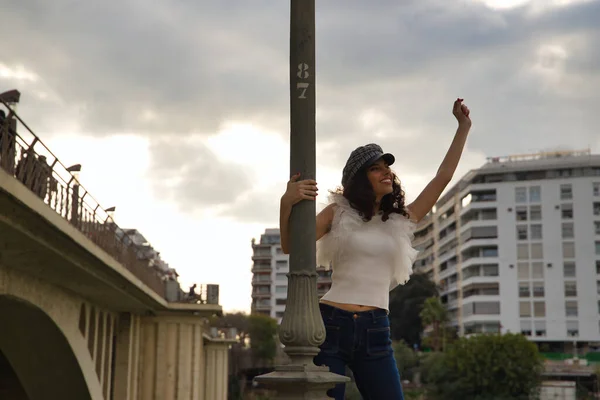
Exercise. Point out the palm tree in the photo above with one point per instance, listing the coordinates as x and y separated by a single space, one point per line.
434 313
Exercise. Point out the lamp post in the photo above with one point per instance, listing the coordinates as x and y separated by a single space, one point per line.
302 329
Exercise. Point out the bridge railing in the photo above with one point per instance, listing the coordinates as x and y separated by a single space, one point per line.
24 156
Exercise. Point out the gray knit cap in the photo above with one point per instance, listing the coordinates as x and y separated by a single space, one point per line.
364 156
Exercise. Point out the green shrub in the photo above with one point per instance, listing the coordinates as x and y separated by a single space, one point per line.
486 367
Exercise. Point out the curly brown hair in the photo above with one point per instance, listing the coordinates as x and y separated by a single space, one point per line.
361 197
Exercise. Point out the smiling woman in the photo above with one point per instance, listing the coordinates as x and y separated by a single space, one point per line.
365 236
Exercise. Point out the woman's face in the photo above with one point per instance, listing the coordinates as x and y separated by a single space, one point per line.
381 178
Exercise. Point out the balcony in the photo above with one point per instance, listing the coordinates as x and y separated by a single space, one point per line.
447 222
447 255
476 324
261 256
450 270
425 253
261 295
449 288
423 241
258 280
447 238
261 306
479 199
479 279
452 304
261 268
478 242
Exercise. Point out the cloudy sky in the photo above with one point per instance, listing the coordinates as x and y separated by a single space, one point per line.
179 111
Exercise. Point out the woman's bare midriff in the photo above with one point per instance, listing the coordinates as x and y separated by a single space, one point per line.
349 307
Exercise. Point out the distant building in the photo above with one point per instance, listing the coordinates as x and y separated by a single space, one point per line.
515 246
269 281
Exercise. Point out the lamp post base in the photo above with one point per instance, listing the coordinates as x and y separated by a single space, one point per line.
301 382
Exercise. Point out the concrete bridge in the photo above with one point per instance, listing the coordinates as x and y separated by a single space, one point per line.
85 312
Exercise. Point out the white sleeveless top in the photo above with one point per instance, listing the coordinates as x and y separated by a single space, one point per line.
368 259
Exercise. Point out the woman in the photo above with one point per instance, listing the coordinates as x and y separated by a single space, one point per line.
365 236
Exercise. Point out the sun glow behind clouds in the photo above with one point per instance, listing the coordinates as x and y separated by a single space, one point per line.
18 72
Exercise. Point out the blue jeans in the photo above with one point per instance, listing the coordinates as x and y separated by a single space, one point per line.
361 341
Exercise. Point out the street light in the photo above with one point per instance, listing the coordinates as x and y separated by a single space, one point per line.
302 329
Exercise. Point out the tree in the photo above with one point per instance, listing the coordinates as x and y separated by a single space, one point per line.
434 314
486 367
406 302
406 360
238 320
262 331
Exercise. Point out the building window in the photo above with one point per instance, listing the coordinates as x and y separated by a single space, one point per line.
566 192
524 289
536 231
597 267
522 252
598 248
490 270
568 249
596 208
540 327
535 194
573 328
280 302
597 227
537 251
522 232
570 289
521 195
567 211
538 289
521 213
523 270
567 230
537 270
598 287
571 308
539 309
489 252
526 328
278 250
535 213
281 263
596 188
524 309
280 289
569 269
281 276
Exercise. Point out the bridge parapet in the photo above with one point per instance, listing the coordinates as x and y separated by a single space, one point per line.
24 156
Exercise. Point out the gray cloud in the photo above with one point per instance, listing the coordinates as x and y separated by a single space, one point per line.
190 174
198 64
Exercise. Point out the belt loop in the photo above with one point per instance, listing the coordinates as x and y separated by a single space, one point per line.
373 316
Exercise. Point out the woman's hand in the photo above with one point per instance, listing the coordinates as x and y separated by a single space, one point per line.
461 112
299 190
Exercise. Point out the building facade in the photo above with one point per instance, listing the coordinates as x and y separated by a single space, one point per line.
515 247
269 281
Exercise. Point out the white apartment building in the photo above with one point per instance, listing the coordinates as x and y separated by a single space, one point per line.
515 246
269 281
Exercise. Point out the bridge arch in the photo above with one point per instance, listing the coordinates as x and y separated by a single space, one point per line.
39 352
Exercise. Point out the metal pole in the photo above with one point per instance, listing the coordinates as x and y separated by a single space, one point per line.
302 329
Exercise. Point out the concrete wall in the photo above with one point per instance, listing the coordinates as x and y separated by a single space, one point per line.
40 338
171 358
217 371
